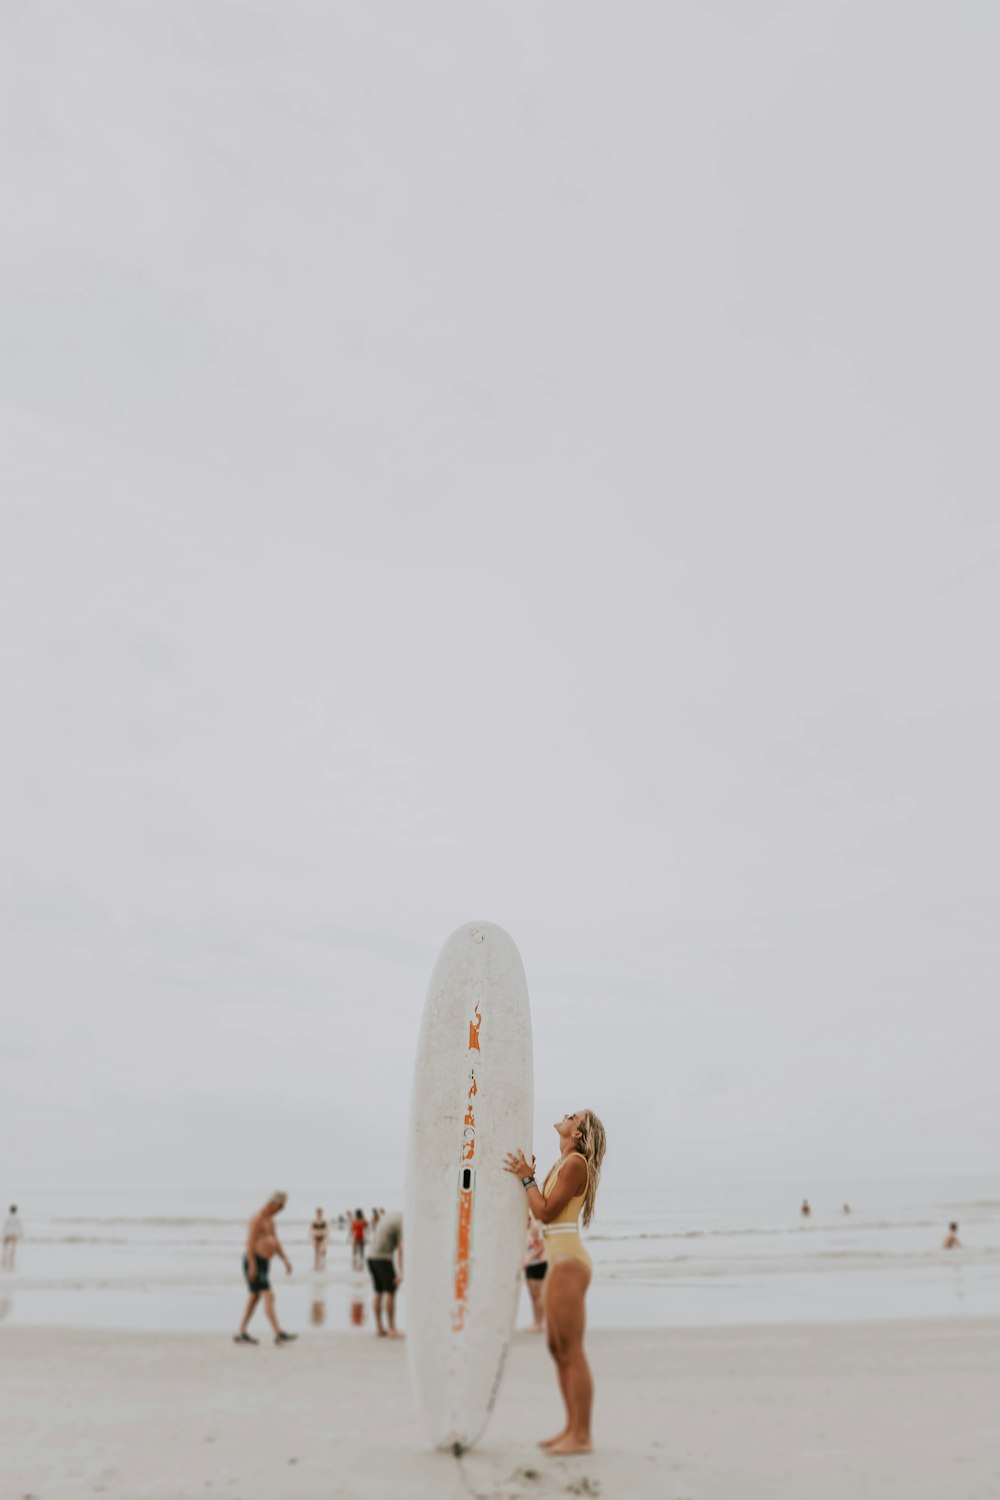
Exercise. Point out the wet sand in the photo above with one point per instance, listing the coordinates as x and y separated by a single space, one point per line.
790 1413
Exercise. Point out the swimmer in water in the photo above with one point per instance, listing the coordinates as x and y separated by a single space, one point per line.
564 1200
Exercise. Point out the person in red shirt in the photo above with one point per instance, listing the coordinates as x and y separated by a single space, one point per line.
358 1238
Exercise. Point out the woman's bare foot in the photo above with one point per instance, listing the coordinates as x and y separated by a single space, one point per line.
567 1444
548 1442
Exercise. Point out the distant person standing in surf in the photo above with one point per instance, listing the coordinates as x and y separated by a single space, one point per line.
535 1268
566 1197
318 1231
358 1236
12 1231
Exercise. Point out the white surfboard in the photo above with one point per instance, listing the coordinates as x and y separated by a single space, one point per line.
465 1217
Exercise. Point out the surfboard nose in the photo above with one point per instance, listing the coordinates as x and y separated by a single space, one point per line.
481 932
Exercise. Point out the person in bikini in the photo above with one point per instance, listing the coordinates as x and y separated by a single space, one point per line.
567 1196
318 1231
262 1245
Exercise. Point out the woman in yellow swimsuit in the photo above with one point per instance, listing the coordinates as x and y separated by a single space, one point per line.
566 1196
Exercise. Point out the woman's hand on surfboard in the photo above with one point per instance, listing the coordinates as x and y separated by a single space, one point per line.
516 1162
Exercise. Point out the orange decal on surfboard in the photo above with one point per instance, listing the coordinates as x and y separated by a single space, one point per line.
463 1237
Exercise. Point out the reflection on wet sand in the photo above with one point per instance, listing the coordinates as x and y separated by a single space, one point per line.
317 1312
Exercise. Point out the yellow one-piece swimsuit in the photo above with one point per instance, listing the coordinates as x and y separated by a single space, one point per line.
562 1234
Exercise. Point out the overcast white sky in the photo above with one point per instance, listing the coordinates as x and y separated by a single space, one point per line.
534 463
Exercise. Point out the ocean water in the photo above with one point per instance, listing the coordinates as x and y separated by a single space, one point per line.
663 1257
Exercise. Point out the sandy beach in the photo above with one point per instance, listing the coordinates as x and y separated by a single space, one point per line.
874 1410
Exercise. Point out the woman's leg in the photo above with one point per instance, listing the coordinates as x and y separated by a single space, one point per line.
567 1283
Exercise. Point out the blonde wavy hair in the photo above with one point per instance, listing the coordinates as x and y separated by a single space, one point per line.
592 1146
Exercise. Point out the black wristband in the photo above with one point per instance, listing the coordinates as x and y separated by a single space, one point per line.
527 1182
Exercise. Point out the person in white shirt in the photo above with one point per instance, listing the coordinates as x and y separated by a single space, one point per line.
12 1231
385 1267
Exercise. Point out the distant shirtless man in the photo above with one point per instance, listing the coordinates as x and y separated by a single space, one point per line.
951 1239
262 1245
